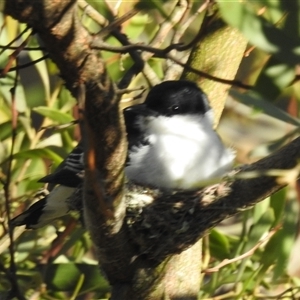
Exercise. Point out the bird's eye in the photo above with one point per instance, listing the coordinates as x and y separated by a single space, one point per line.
175 108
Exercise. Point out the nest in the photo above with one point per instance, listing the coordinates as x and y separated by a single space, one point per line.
161 223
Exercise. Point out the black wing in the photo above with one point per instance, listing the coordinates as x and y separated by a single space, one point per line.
135 136
31 216
70 172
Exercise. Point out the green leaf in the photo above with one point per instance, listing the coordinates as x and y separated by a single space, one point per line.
42 69
153 4
39 153
219 245
137 26
260 228
64 277
274 77
259 209
274 9
5 130
278 248
53 114
259 31
253 100
73 239
286 241
27 126
20 100
277 202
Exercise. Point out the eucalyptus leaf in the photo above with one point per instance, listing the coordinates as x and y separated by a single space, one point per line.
53 114
38 153
274 77
259 31
255 101
219 245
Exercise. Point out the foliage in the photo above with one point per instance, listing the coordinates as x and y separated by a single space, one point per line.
36 131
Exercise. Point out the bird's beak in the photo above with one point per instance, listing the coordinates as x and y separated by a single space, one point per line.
139 110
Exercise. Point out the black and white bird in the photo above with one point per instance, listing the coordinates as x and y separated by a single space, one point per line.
171 145
61 196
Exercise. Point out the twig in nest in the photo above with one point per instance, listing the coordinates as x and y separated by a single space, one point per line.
172 218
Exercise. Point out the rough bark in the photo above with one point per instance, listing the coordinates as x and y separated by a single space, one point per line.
138 233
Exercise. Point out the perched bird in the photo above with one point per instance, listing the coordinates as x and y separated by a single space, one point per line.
171 145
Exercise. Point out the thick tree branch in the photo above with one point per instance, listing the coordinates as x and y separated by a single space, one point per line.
68 42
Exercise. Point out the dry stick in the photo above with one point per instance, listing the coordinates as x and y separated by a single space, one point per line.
136 57
58 243
184 26
236 83
117 23
114 29
174 70
23 49
174 19
163 53
92 12
280 296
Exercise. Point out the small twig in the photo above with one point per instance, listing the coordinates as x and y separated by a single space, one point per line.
114 28
226 262
184 26
100 45
163 53
292 290
15 39
13 56
91 12
127 91
136 57
23 49
236 83
58 243
19 67
116 23
138 96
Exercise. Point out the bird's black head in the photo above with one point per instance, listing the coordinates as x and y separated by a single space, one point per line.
176 97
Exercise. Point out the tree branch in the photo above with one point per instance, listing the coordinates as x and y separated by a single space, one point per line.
68 43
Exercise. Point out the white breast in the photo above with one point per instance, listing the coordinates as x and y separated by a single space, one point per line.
183 151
